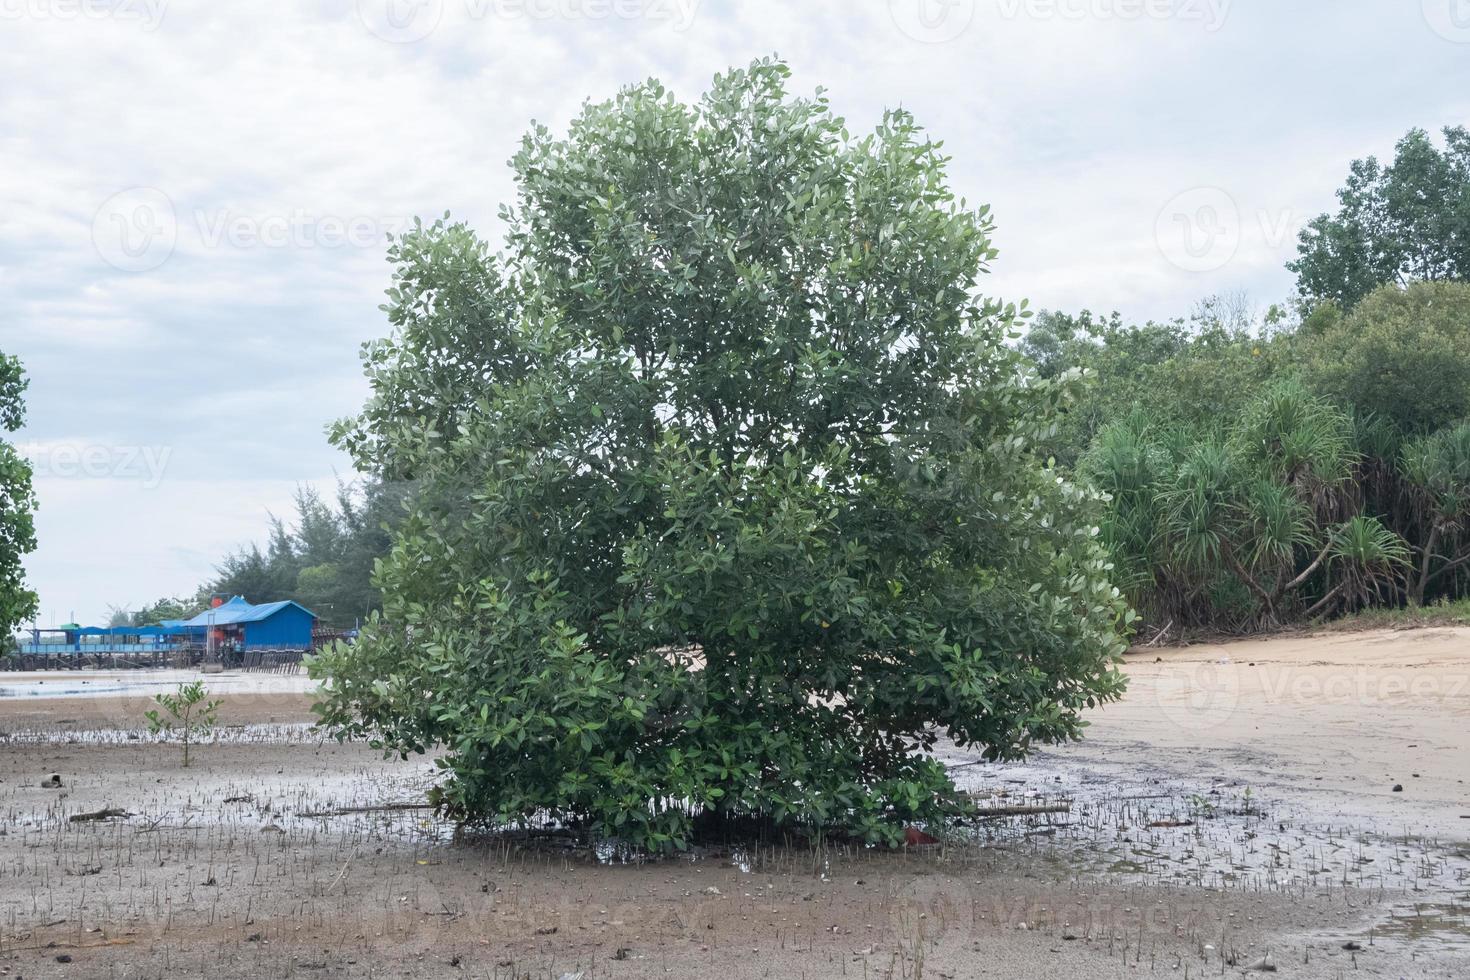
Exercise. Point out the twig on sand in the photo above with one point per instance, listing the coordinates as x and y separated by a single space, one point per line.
1025 810
106 813
966 765
343 873
159 824
343 811
105 942
1159 637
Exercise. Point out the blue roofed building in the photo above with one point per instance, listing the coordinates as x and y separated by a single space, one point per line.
269 625
227 628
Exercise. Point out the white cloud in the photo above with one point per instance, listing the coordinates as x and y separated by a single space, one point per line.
284 119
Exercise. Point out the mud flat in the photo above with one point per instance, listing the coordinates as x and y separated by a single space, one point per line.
1238 805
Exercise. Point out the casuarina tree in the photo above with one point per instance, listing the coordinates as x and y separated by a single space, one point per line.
728 503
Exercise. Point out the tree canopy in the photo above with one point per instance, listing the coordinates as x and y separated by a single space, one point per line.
730 499
1402 354
1398 224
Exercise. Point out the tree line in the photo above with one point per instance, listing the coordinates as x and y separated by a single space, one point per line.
323 556
1307 462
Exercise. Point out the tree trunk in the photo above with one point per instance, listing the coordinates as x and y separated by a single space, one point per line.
1418 597
1250 583
1321 603
1302 578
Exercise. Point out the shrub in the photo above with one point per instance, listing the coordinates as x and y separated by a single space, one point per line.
729 503
1248 525
1436 470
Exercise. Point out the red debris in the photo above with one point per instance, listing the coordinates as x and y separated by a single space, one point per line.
914 837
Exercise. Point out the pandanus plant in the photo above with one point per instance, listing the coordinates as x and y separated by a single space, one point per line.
1436 469
1367 559
1246 525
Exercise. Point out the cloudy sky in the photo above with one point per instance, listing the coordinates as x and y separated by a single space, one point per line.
195 194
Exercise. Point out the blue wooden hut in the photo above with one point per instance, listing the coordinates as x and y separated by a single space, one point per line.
269 625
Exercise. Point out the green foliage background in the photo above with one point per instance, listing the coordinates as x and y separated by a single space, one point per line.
1276 470
1305 462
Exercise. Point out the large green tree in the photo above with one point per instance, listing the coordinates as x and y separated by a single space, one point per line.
729 498
1399 223
17 503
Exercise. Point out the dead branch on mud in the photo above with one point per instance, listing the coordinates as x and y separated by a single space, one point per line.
106 813
1023 810
345 811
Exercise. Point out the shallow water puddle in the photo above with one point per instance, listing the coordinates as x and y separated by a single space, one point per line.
1444 922
1223 835
145 683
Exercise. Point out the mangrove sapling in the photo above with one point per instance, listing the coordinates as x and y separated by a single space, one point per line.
186 711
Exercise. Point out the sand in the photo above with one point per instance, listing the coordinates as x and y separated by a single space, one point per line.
1220 813
1340 718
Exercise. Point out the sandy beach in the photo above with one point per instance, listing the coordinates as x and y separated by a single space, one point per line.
1237 810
